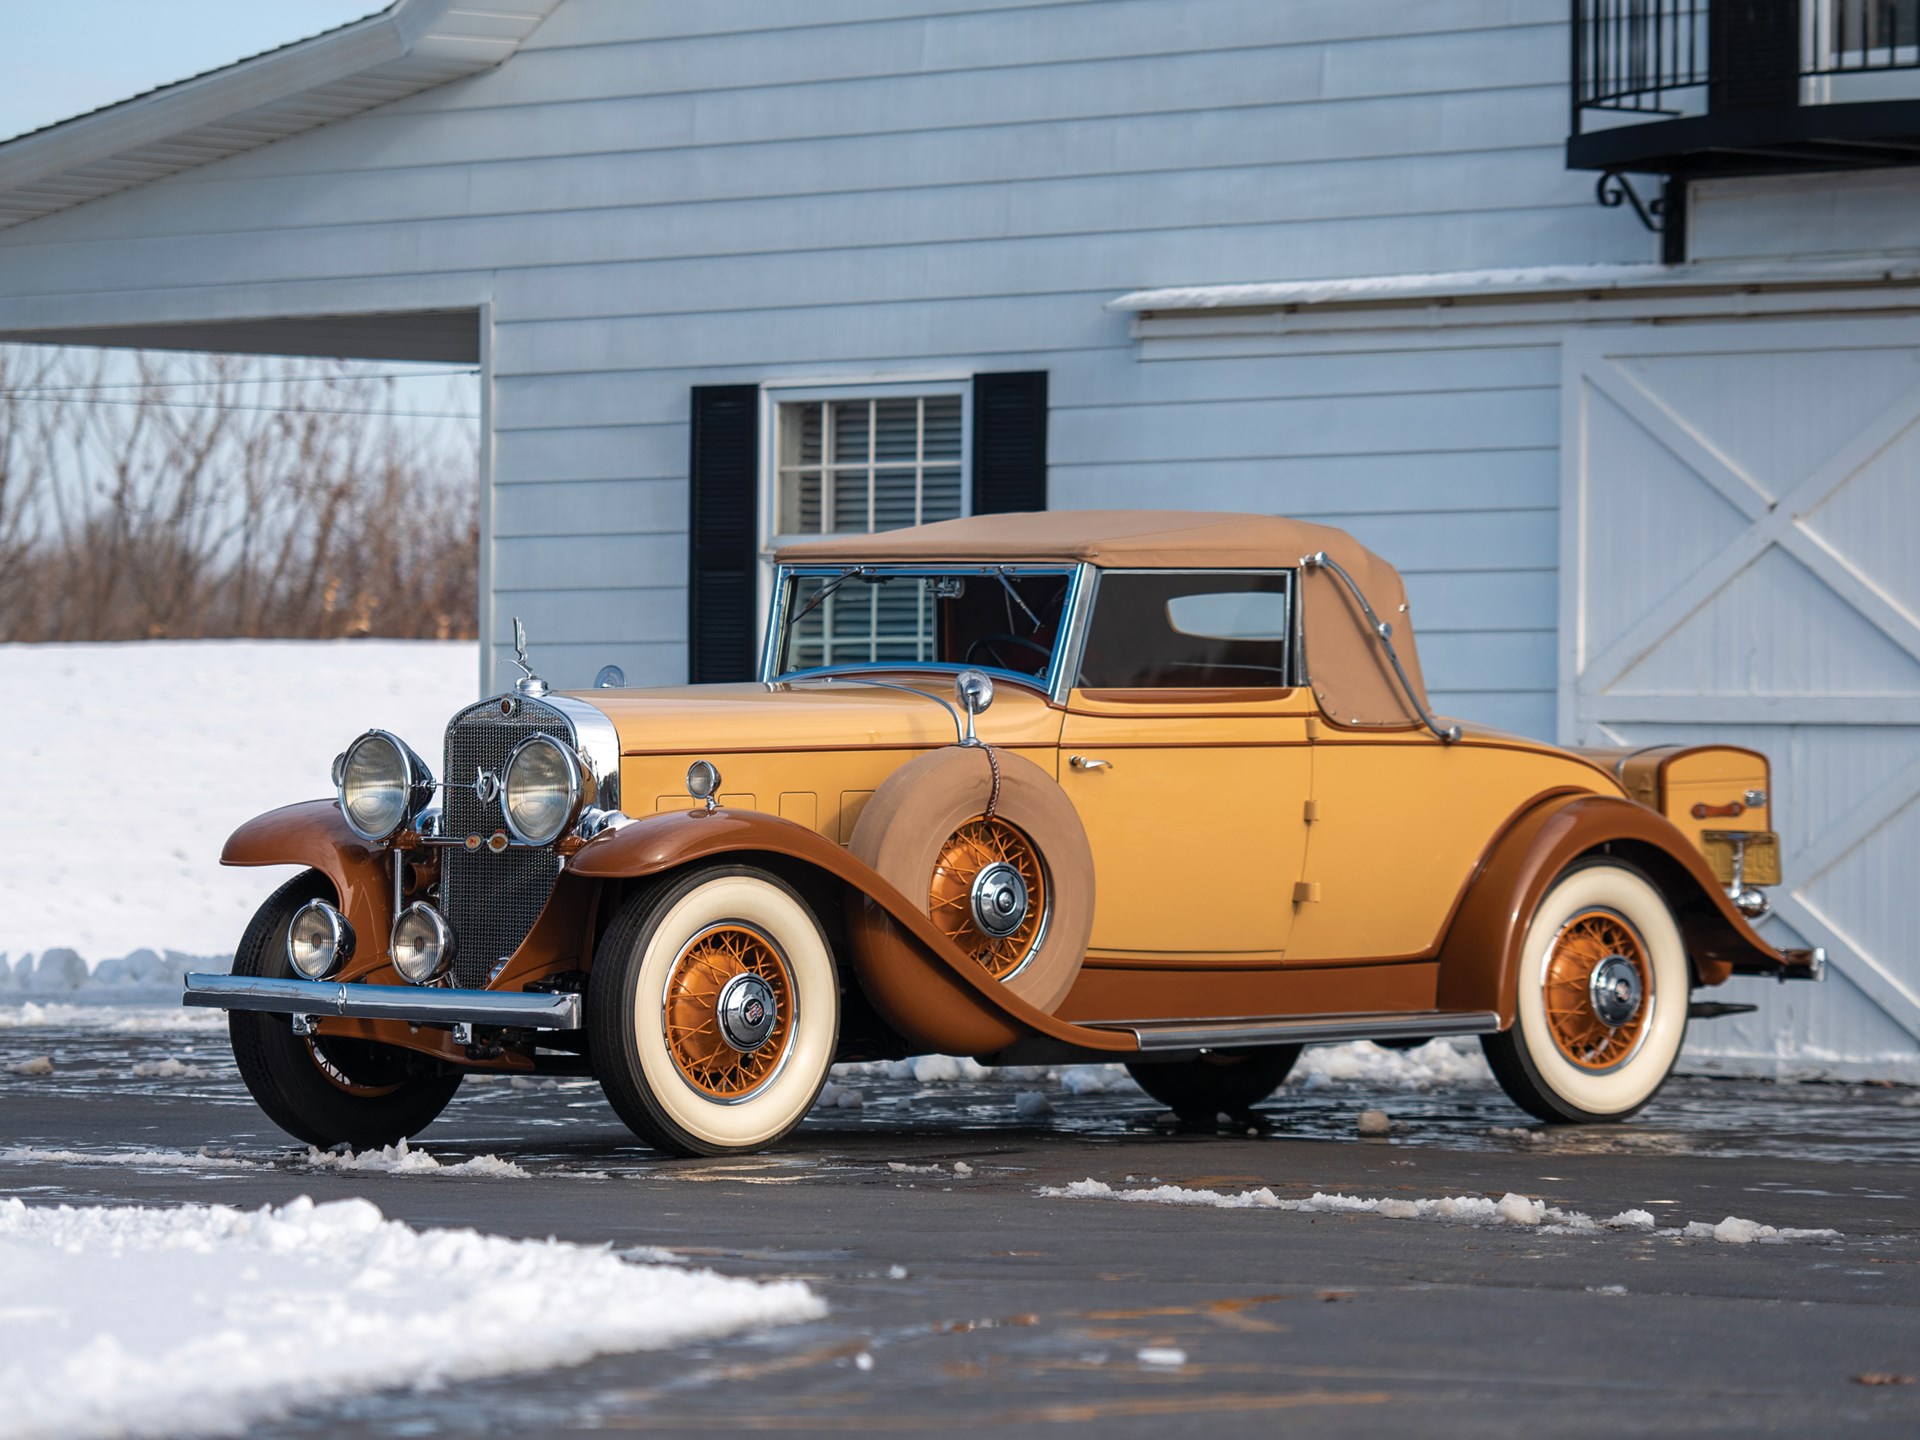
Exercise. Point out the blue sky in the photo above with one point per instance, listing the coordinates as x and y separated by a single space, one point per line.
64 57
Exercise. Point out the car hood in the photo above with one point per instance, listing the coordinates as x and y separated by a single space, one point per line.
844 713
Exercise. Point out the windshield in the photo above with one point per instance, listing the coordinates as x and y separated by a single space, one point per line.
996 617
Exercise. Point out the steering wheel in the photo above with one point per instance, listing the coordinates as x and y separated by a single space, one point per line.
988 642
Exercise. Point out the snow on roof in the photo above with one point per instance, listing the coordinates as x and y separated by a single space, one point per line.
412 45
1529 282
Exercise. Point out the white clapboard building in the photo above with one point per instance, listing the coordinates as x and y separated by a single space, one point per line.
1602 320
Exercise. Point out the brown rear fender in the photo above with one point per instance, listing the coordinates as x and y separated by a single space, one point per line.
1480 955
921 983
313 833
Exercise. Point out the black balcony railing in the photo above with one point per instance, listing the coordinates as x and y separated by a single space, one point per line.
1686 88
1673 57
1635 54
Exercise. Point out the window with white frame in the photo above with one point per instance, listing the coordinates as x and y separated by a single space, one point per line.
854 460
874 462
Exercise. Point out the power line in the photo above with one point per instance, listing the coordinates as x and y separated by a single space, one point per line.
35 391
266 409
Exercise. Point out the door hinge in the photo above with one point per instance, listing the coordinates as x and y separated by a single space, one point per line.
1306 892
1311 810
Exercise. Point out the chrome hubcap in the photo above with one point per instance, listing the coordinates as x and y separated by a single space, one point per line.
747 1012
1615 990
999 900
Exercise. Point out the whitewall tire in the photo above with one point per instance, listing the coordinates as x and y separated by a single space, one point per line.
1600 1010
713 1011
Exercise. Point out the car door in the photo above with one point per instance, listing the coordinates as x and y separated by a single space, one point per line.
1184 749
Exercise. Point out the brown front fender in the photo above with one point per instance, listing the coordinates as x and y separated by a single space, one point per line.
920 982
313 833
1480 956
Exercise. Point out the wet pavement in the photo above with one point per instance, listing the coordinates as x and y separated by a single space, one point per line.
962 1296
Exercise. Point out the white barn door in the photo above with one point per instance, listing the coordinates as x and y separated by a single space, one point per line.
1740 553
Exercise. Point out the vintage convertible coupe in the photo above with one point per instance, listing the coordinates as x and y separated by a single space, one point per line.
1150 787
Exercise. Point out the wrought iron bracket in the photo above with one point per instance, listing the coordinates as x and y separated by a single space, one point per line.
1613 189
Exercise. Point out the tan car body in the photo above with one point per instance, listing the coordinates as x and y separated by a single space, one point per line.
1311 856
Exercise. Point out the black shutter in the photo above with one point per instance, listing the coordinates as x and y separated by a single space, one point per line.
1009 441
722 569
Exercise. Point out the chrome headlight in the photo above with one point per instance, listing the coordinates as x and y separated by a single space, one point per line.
543 789
382 785
422 945
319 941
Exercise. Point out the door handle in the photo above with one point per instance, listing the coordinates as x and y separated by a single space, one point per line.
1087 762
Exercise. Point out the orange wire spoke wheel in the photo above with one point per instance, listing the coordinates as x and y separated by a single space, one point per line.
728 1011
1598 990
989 894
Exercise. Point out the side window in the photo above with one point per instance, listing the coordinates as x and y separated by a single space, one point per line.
1170 628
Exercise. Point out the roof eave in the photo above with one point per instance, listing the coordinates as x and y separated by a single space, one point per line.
443 40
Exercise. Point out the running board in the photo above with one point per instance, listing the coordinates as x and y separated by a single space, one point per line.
1153 1035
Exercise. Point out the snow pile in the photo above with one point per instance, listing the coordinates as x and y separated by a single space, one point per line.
1438 1062
137 1159
142 977
205 1318
212 742
1509 1209
402 1160
170 1019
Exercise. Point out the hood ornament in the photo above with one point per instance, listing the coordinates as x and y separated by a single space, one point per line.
528 683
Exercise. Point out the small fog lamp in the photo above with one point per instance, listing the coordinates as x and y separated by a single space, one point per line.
422 945
319 940
543 789
703 782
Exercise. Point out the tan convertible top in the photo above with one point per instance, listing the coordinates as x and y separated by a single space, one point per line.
1350 673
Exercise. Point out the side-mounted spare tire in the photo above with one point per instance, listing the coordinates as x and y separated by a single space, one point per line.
991 849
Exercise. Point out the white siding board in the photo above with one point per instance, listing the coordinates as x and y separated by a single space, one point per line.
1287 484
1082 205
1050 43
622 506
587 562
1500 124
633 615
1320 425
1305 21
649 396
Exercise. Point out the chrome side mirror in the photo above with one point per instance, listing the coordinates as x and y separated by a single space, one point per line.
611 677
974 690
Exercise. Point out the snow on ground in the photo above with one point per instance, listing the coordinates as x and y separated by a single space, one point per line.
1509 1209
1361 1062
133 1159
205 1319
166 1018
402 1159
178 742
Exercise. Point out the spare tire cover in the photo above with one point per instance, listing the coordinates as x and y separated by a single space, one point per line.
1014 888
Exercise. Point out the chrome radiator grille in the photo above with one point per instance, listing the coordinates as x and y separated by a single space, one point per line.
490 901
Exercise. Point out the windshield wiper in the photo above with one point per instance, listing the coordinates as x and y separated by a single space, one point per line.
824 591
1001 575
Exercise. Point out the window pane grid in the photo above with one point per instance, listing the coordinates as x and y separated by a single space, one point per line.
864 465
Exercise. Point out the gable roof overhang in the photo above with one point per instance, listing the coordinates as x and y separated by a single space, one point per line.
411 46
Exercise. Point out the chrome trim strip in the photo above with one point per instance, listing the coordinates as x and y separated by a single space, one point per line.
1320 560
524 1010
597 740
1231 1034
1072 642
1053 684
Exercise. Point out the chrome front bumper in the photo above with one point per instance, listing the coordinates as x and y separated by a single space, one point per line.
529 1010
